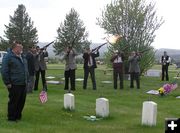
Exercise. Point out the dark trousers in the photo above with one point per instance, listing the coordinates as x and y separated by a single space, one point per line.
86 75
165 72
117 74
43 73
134 76
17 97
70 74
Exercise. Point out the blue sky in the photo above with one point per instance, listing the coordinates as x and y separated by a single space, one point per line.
48 14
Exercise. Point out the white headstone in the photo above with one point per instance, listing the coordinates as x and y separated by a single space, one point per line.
149 113
106 82
53 82
69 101
102 107
79 79
154 92
50 77
153 73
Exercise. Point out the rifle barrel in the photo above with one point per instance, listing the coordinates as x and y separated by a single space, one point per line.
98 47
49 44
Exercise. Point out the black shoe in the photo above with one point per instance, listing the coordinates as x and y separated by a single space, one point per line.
68 91
29 92
73 89
44 89
12 120
18 118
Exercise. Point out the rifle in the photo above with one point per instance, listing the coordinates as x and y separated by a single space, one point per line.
47 45
97 48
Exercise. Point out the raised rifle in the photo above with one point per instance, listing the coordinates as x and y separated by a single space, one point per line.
97 48
47 45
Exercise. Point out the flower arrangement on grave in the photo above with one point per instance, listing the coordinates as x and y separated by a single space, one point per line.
167 88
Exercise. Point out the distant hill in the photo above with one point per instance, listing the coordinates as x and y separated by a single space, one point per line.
50 49
173 53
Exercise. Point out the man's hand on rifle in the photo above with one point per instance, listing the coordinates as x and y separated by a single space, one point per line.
44 49
98 48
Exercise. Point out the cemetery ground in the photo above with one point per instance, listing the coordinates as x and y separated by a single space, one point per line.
125 106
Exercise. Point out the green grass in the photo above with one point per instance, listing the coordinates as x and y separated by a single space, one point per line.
125 107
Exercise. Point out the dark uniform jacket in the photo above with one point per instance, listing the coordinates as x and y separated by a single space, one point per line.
86 59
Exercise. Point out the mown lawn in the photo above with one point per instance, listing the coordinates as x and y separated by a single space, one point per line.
125 106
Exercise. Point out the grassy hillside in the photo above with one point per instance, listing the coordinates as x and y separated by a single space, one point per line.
125 107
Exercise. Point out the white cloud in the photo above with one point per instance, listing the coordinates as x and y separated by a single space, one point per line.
167 35
48 14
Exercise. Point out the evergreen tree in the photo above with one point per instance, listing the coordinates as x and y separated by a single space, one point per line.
3 44
71 33
136 22
21 29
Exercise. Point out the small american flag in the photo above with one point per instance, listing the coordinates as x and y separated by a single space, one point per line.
43 96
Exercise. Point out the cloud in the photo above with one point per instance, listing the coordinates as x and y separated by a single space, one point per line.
48 14
30 3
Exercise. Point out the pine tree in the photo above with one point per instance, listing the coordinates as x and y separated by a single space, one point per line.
71 33
21 29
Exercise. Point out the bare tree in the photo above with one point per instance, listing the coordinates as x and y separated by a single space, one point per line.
136 22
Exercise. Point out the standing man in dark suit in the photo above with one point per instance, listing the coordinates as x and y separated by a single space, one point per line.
89 66
40 67
70 68
14 75
165 60
31 68
117 59
134 69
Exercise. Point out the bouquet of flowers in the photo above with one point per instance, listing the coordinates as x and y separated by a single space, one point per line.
167 88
